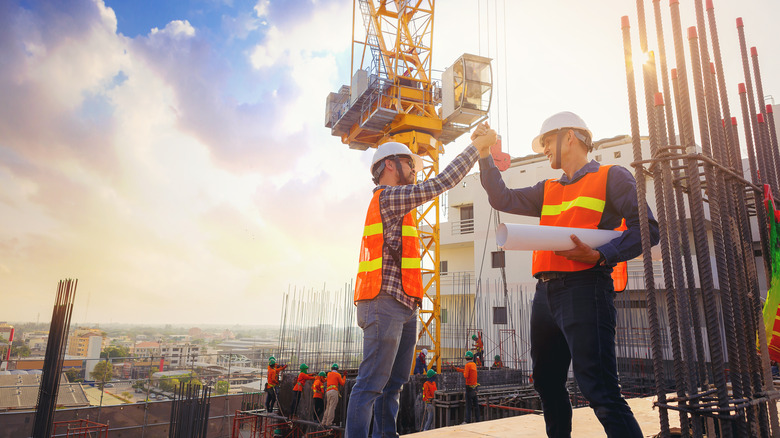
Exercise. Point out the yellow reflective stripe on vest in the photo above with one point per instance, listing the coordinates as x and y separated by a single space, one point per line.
409 263
594 204
409 231
373 229
370 265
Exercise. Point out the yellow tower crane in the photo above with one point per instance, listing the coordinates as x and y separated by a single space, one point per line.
393 97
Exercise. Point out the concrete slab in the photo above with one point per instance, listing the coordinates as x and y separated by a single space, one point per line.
585 424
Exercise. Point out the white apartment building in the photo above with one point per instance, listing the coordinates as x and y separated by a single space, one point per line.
181 354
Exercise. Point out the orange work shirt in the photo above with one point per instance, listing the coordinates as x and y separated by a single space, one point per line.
334 379
273 374
429 388
302 378
470 373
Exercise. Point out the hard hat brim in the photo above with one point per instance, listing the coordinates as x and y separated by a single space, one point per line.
418 163
536 144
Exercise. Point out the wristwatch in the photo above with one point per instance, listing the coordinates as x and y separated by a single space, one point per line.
602 260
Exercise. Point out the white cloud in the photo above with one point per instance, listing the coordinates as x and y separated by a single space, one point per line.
262 7
175 29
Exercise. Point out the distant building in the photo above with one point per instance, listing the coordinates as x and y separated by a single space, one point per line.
177 355
6 338
181 354
196 333
146 349
37 342
78 342
36 363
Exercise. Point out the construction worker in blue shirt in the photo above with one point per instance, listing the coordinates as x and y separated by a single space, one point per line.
573 314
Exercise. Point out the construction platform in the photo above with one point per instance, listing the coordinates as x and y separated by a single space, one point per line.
585 424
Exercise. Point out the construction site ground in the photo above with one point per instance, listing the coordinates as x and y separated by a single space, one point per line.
585 424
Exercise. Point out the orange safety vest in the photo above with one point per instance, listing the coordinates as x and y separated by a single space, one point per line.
369 278
318 388
578 205
429 390
273 374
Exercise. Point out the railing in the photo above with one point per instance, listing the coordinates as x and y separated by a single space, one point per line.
465 226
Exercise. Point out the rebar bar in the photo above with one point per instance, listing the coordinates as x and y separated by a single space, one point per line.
55 354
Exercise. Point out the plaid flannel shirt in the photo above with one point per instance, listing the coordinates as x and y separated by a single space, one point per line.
396 201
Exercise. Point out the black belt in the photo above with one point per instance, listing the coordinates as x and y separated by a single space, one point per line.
547 276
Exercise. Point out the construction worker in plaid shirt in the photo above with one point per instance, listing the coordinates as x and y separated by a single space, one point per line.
388 290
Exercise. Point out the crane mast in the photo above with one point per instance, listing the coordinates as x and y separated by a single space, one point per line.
393 97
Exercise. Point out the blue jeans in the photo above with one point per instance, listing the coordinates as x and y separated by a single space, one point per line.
389 336
428 415
472 402
573 321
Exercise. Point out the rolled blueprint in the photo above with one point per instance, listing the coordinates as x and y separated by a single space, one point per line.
523 237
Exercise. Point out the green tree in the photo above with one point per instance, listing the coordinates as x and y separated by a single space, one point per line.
221 387
73 374
20 349
102 373
115 351
169 385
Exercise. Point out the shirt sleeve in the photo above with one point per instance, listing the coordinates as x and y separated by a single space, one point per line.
622 200
397 201
525 201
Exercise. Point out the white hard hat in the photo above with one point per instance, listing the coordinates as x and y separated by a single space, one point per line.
392 148
424 352
558 121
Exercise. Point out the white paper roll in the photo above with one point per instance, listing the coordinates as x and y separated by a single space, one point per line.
523 237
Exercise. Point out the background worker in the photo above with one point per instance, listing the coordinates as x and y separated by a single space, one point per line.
318 394
419 363
429 390
573 313
271 383
470 374
497 364
478 349
334 379
303 376
388 289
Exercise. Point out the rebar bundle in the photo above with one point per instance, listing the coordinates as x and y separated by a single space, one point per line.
55 354
721 382
319 329
190 411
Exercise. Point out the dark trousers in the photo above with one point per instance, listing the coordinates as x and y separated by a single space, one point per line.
573 322
319 408
294 406
270 399
472 402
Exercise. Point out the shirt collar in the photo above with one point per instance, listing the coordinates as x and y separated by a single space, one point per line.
592 166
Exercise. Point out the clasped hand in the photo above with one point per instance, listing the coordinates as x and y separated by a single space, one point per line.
483 138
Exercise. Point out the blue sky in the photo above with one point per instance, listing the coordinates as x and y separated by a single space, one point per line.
172 155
